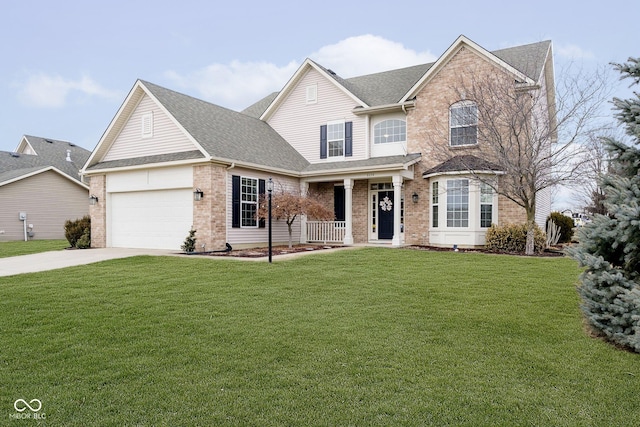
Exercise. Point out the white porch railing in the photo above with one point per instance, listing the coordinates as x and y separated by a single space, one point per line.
325 231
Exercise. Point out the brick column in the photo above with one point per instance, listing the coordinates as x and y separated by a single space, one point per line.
210 213
98 212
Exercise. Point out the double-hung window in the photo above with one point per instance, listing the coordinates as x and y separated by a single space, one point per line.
335 139
458 203
486 205
248 202
463 124
245 196
435 198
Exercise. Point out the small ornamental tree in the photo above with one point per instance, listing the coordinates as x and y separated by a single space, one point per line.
189 244
289 206
609 247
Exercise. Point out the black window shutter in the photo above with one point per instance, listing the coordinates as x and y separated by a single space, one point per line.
348 139
338 202
323 141
261 192
235 201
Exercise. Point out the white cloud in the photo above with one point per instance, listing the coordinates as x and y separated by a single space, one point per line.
239 84
45 91
573 52
368 54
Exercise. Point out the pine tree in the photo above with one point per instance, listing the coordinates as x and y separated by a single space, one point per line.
609 246
189 244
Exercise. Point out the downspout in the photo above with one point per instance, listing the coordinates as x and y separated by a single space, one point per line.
231 166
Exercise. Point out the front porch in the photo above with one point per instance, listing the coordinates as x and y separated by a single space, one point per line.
366 210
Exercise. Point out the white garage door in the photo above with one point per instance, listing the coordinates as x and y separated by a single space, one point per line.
151 219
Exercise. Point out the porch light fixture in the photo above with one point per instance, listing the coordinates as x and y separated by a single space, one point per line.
93 199
270 191
415 197
197 195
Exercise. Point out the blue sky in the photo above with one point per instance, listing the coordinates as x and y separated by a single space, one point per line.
67 66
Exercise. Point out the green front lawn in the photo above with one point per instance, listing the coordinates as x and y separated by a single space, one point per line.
362 337
15 248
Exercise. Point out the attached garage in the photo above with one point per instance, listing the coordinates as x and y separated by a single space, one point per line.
152 219
153 216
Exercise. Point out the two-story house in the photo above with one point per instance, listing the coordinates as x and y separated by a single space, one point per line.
365 146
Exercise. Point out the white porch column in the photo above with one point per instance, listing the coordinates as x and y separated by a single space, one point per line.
304 191
397 202
348 211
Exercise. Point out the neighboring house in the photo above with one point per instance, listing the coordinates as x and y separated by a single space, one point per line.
41 179
359 144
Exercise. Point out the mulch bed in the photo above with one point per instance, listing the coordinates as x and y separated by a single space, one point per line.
283 250
275 250
552 252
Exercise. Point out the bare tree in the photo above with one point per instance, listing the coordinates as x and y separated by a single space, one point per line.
289 205
588 193
530 133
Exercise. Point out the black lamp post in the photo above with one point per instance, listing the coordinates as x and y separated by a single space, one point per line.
270 190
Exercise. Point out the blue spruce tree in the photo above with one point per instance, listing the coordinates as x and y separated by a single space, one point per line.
609 247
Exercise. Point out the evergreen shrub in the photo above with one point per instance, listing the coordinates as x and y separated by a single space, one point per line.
74 230
189 244
566 226
609 246
512 238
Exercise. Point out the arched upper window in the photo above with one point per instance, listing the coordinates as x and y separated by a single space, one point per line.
463 123
392 130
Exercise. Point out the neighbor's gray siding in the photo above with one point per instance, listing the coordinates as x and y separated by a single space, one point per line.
48 199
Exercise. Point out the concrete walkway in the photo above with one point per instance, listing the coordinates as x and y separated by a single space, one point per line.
53 260
67 258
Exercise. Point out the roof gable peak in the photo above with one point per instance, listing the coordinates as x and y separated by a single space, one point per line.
461 42
307 65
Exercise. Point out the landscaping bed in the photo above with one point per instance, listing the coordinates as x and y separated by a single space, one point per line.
275 250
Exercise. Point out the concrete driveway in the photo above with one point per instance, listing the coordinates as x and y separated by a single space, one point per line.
67 258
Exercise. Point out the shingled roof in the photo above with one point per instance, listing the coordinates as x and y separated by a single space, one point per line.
230 136
224 134
389 87
49 153
462 163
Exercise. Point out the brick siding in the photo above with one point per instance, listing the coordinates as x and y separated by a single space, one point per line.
209 214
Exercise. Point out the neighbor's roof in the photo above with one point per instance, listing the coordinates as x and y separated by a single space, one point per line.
49 153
